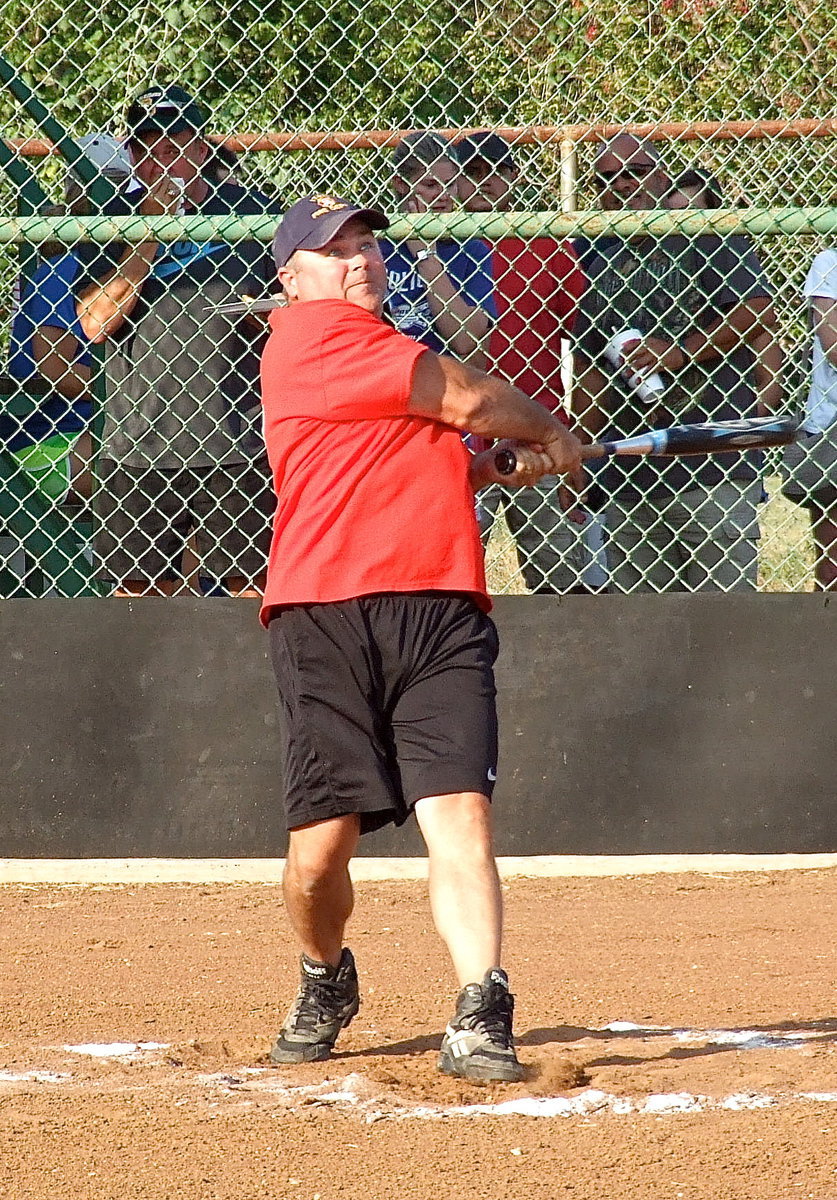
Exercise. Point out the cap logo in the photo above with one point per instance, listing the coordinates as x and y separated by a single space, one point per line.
327 204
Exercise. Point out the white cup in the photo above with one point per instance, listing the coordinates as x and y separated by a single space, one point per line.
646 384
179 183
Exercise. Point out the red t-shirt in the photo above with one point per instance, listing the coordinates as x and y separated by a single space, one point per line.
537 286
371 498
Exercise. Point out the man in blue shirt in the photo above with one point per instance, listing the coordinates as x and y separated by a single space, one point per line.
439 293
48 346
47 341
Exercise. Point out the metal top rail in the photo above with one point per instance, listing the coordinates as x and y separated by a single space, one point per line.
523 134
457 225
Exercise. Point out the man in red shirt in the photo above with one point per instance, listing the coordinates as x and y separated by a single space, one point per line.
378 621
537 286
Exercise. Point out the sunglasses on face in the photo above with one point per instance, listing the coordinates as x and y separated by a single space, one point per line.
606 178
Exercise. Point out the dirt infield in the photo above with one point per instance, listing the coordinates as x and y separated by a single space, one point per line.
680 1033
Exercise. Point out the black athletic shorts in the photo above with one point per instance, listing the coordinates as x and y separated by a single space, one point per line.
385 699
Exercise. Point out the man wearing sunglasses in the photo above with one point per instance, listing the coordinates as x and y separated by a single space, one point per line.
627 174
694 307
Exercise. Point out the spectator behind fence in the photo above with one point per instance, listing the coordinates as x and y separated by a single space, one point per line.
697 189
680 524
52 444
643 160
222 166
181 447
537 285
810 466
440 293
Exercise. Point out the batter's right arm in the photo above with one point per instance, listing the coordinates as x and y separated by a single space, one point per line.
470 400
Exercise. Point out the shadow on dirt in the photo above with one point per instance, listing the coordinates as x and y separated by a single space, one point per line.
815 1031
717 1040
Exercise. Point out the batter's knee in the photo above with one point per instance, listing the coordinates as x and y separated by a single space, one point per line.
319 852
457 826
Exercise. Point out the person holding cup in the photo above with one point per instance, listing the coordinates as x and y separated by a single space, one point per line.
664 336
698 189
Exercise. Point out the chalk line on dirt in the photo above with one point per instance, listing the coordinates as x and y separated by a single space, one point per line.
362 1096
356 1095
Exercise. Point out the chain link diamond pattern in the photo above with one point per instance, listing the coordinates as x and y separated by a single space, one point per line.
134 462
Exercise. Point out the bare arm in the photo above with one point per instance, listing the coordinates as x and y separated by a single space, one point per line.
104 306
55 351
459 395
767 372
586 403
726 332
463 326
741 324
824 317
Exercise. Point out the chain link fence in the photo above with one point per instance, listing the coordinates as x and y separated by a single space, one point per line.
657 170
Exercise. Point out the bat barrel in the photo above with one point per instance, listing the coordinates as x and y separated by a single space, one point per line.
760 433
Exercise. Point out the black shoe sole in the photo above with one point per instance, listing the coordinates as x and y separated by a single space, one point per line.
307 1051
310 1052
478 1072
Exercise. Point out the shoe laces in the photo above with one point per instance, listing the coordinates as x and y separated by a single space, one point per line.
493 1020
318 1000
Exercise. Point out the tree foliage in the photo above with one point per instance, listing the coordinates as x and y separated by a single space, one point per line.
329 63
335 64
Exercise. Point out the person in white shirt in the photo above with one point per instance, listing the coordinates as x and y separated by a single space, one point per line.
811 464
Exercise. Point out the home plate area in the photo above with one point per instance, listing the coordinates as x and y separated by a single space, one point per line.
225 1074
679 1035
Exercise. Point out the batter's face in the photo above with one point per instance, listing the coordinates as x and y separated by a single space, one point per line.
349 267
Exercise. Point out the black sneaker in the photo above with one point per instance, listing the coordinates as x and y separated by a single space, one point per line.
327 1000
478 1043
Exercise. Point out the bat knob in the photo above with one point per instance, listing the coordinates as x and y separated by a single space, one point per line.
505 461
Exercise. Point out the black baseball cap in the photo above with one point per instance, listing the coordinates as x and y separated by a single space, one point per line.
166 110
312 222
484 146
420 148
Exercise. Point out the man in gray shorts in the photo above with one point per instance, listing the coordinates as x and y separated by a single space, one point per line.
377 613
181 450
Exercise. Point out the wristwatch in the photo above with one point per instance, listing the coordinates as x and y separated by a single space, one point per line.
427 252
